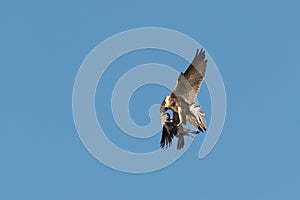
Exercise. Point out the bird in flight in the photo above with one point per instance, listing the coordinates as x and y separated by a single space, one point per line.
182 102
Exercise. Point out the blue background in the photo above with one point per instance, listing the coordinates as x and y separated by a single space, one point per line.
255 45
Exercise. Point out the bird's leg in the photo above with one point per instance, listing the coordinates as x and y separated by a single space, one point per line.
180 142
186 130
180 116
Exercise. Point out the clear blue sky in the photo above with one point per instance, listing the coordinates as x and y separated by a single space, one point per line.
256 47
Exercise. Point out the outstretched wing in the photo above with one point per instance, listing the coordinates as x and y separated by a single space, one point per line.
168 132
189 82
166 138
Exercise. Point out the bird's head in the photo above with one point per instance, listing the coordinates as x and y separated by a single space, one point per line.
168 103
165 105
168 117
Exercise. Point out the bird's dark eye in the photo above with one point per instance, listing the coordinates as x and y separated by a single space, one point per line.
166 109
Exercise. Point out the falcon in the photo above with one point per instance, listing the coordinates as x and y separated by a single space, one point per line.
182 99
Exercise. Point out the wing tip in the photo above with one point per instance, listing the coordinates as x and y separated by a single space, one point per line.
201 51
200 55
